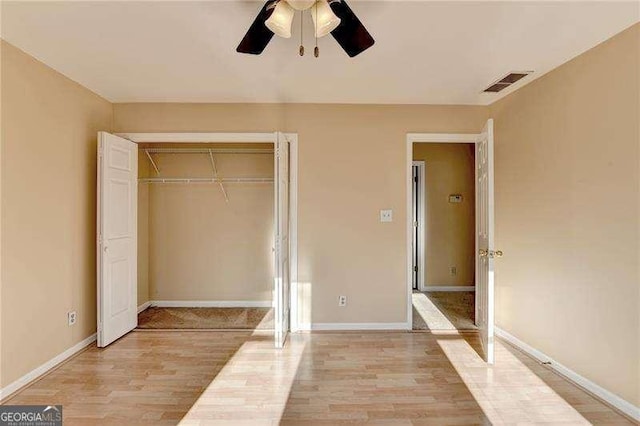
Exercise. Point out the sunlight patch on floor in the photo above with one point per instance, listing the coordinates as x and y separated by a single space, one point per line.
507 392
432 316
253 386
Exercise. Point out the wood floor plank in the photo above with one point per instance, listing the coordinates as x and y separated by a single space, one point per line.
200 378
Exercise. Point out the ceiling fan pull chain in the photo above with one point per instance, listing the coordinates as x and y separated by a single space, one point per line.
301 33
316 51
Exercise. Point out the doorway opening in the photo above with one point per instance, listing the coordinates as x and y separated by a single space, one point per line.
450 229
443 206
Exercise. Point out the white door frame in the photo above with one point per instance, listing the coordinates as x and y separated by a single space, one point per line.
265 137
425 138
422 225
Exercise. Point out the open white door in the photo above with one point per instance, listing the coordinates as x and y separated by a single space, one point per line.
282 285
117 237
485 240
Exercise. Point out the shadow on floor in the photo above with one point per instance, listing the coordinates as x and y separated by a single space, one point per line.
430 379
145 377
398 378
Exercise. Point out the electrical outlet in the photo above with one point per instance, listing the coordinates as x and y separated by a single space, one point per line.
386 215
342 300
71 317
454 271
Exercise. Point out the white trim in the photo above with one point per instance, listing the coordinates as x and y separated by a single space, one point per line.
450 288
442 138
423 138
293 228
610 398
44 368
354 326
211 303
422 224
144 306
199 137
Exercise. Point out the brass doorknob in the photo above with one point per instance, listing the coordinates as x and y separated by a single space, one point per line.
490 253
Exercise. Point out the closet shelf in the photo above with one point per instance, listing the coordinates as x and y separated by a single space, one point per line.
207 150
207 180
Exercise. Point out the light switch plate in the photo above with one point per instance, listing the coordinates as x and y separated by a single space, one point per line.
386 215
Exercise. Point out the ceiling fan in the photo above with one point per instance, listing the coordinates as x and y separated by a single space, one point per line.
329 16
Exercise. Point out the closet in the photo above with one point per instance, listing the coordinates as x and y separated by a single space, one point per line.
193 232
205 236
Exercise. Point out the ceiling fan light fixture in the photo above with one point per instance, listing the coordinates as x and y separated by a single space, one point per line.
324 20
280 20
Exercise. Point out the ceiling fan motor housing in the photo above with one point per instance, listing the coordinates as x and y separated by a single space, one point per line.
301 4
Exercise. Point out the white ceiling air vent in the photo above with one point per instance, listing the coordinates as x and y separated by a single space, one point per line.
507 81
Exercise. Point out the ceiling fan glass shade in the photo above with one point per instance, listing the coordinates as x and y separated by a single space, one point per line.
301 4
280 20
324 20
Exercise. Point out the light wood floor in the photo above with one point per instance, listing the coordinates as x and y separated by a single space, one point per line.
204 377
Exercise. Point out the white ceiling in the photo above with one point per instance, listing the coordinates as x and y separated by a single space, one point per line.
426 52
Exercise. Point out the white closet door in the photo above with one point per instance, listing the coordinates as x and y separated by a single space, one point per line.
485 240
117 237
282 284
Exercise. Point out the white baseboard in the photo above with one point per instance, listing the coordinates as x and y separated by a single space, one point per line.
39 371
211 303
449 288
354 326
607 396
144 306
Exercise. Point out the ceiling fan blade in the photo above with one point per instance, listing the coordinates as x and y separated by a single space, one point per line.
351 35
258 36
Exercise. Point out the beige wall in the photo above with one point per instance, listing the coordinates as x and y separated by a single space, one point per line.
201 247
567 214
343 248
49 127
450 227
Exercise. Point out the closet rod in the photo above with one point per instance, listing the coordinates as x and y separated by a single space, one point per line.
206 151
206 180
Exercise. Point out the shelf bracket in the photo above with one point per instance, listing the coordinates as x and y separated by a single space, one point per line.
215 176
153 163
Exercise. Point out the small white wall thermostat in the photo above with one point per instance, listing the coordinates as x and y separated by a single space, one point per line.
386 215
455 198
